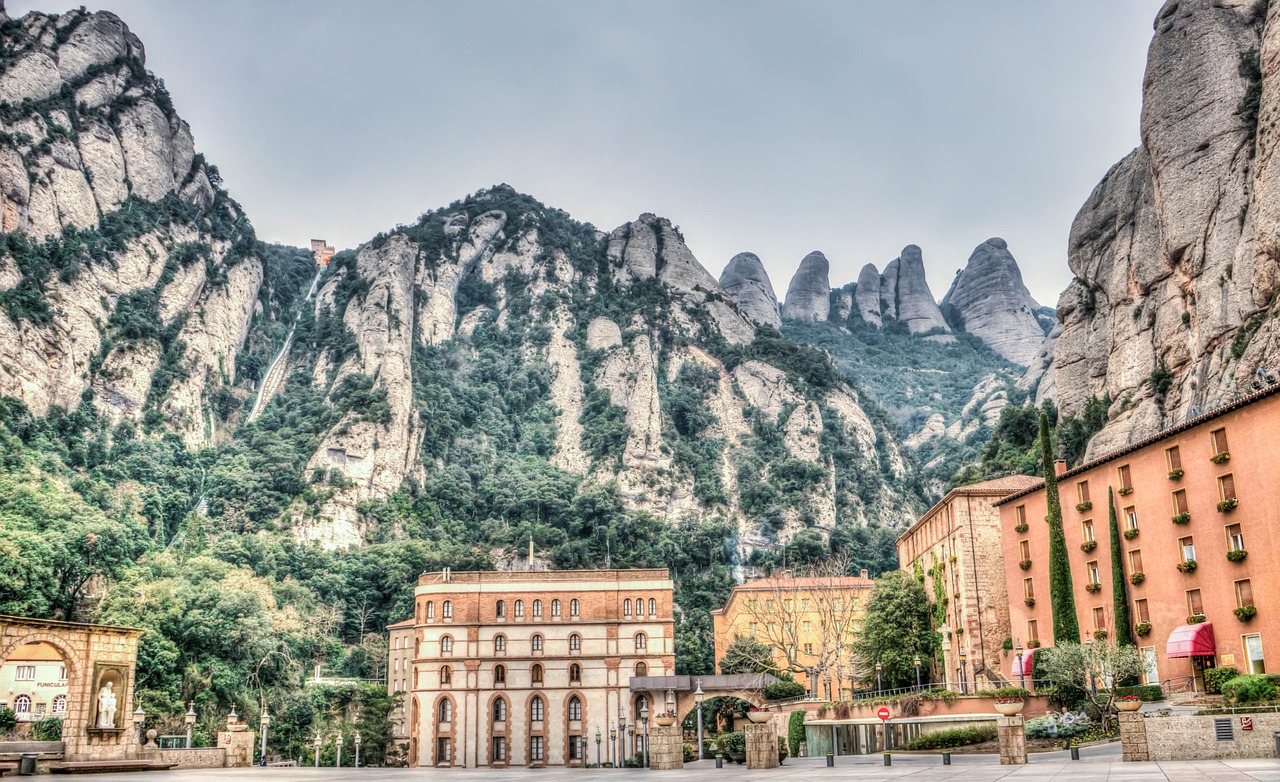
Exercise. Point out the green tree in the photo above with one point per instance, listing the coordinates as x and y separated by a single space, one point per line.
1119 590
897 629
1066 627
747 655
1098 669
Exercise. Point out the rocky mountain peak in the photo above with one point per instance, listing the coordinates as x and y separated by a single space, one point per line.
989 300
905 294
809 294
744 278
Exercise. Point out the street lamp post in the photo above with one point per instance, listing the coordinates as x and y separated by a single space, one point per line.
597 746
644 720
699 696
917 663
357 749
964 676
265 722
318 740
613 744
1093 682
1022 675
879 687
631 733
190 719
621 749
139 719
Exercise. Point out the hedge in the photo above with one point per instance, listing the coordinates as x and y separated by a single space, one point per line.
955 737
1214 678
1250 688
1147 692
795 732
780 690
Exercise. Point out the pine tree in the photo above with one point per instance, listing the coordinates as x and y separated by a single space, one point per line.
1119 591
1066 628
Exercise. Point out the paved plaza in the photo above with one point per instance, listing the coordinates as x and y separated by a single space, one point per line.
1097 764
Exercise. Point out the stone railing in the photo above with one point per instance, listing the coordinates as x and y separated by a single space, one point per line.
1196 737
207 757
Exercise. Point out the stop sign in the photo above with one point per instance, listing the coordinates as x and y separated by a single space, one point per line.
883 713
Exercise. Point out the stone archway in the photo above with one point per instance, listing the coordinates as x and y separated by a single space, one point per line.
92 653
678 693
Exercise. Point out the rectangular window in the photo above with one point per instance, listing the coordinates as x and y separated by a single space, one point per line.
575 748
1099 618
1140 611
1032 633
535 748
1024 548
1135 561
1187 546
1194 604
808 628
1174 457
1226 487
1244 593
1219 437
1028 589
1179 501
1086 530
1149 666
499 749
444 751
805 605
1020 514
1235 538
1082 490
1095 577
1126 478
1130 517
26 673
1253 652
808 648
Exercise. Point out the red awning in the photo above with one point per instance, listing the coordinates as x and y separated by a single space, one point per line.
1026 663
1191 641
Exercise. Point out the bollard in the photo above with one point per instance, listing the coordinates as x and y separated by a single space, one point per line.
719 761
888 761
1075 753
1277 738
946 758
831 759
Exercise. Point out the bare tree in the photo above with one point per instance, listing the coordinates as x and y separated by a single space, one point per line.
1097 668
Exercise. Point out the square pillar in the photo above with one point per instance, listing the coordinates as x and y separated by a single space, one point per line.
666 747
1133 736
1011 732
762 745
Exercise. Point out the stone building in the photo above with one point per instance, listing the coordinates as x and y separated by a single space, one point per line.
524 668
400 648
1197 506
808 622
955 547
33 682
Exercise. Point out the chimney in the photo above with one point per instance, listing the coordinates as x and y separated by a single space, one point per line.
864 573
1059 466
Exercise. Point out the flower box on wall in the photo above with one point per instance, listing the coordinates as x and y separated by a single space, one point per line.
1034 643
1142 629
1031 601
1130 534
1025 564
1124 491
1182 518
1238 555
1227 505
1137 578
1187 567
1220 458
1176 474
1100 634
1084 506
1088 545
1245 613
1195 619
1093 587
1021 528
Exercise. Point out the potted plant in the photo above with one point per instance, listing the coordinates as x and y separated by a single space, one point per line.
1137 578
1142 629
1009 705
1245 613
1228 504
1084 506
1021 528
1031 601
1182 518
1025 564
665 718
1175 474
1220 458
1187 567
1100 634
758 716
1125 490
782 750
1093 587
1088 545
1034 643
1131 533
689 757
1237 556
734 745
1195 619
1128 703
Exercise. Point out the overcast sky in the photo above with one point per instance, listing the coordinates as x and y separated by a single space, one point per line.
850 127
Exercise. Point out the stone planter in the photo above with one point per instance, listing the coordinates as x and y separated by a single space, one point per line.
759 717
1128 705
1010 709
665 721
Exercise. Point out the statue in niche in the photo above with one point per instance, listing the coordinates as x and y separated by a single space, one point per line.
107 706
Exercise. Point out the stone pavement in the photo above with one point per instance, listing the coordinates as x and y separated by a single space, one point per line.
1097 764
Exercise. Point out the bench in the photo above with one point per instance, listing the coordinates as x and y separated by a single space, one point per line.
6 768
105 766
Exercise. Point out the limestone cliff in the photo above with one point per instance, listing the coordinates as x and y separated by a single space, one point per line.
747 283
988 298
1175 253
809 294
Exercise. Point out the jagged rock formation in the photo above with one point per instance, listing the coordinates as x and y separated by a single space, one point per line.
1175 253
809 294
867 295
989 299
905 294
747 283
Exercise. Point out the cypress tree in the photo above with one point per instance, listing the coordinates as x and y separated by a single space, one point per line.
1066 628
1119 590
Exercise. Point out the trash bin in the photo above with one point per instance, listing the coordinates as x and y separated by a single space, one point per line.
27 766
1276 735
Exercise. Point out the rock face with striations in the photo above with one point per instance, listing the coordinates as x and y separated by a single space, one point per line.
1175 253
994 305
905 294
866 295
747 283
809 294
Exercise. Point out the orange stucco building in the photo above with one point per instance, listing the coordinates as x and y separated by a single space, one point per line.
1198 506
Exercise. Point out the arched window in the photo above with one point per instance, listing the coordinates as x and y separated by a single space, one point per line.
639 606
642 669
573 607
446 674
536 709
653 607
499 674
446 609
575 708
500 609
431 610
22 705
446 711
575 643
555 607
446 644
537 643
626 607
575 673
537 609
60 704
536 673
642 641
519 608
500 710
499 643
